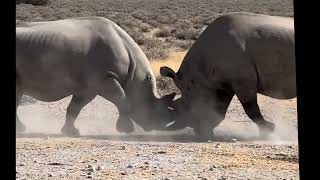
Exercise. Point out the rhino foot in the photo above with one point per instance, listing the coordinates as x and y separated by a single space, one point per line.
204 135
20 127
70 131
125 125
266 128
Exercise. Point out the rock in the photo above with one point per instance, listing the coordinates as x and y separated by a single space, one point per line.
49 175
100 167
89 173
129 166
217 145
89 176
209 141
212 167
147 163
167 178
89 166
161 152
123 173
233 140
122 148
21 164
92 169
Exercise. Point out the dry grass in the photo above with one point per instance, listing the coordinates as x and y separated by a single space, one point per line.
185 18
173 61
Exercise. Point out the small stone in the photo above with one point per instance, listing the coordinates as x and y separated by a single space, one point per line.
203 178
129 166
212 167
49 175
167 178
209 141
89 173
123 173
138 155
217 145
233 140
89 166
100 167
89 176
147 163
162 152
122 148
21 164
91 169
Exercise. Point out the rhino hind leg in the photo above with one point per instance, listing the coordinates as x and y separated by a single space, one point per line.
253 111
78 101
20 127
250 104
114 92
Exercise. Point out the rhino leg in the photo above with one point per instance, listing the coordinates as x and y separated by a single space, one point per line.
20 127
78 101
249 102
115 93
204 131
212 115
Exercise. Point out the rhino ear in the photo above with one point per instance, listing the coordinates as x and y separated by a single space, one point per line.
167 72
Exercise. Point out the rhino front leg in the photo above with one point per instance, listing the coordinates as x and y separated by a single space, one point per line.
78 101
114 92
124 123
204 131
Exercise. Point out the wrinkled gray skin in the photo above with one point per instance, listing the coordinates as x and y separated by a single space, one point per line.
238 54
85 57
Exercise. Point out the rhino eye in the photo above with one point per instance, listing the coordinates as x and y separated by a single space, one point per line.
149 78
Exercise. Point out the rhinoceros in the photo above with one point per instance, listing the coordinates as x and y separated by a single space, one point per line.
238 54
85 57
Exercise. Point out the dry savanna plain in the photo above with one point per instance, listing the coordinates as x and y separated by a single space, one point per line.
165 30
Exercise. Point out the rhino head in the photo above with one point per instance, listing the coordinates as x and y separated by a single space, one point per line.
149 110
201 100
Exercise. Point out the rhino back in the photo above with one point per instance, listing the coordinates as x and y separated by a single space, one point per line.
243 46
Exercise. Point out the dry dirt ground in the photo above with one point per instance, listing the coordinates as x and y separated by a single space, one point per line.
159 27
101 153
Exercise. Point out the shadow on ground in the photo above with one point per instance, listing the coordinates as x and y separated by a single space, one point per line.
182 138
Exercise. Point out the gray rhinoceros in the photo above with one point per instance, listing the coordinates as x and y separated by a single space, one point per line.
85 57
238 54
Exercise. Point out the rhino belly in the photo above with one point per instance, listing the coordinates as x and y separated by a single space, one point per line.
51 80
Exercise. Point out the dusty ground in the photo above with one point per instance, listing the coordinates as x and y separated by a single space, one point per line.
160 28
42 153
